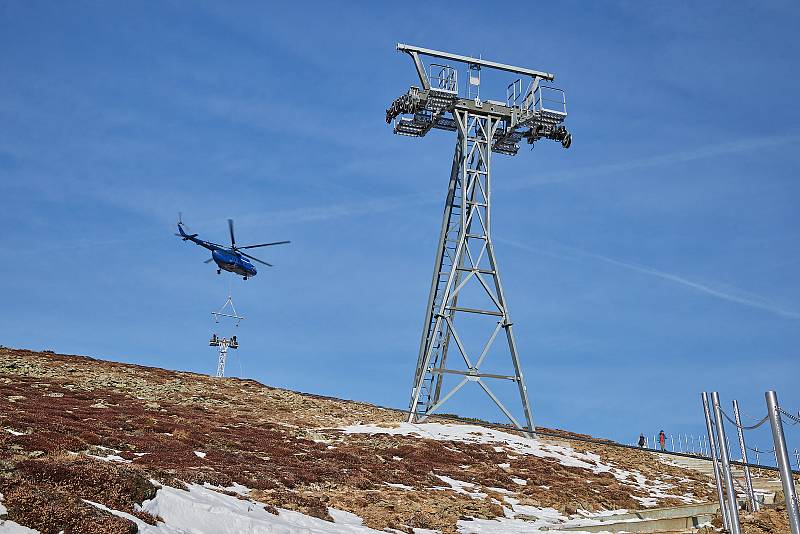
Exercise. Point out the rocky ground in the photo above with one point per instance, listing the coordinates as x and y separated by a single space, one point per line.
74 429
771 520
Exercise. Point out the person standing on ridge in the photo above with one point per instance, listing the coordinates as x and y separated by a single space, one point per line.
642 440
662 440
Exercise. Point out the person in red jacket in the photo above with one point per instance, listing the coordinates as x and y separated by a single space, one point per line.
662 440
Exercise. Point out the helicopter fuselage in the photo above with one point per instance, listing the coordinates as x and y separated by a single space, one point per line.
225 258
232 258
234 263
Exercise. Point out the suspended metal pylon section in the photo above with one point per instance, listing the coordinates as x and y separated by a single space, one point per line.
465 256
223 355
223 344
465 261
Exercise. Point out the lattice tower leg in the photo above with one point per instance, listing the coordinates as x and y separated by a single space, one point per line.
465 255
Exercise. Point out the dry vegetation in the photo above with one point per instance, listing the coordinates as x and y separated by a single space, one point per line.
771 520
284 445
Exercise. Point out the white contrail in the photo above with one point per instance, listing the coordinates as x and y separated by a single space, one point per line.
740 297
683 156
353 208
349 209
393 203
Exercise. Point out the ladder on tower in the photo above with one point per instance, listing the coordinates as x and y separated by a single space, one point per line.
431 385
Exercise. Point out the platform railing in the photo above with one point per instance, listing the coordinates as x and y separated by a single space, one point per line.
549 99
443 78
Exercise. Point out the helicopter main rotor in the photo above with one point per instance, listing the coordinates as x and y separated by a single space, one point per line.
238 250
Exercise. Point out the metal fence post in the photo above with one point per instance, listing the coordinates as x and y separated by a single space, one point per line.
747 480
712 449
783 460
733 504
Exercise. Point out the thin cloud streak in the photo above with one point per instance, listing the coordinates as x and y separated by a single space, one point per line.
374 206
393 203
740 297
672 158
380 205
326 212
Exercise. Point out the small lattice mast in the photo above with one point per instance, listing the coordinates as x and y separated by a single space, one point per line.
223 344
465 256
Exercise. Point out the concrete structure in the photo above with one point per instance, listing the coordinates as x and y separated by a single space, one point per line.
671 519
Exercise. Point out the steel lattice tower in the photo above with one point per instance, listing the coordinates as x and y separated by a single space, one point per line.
465 256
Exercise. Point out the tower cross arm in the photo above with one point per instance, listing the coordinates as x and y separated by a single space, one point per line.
415 51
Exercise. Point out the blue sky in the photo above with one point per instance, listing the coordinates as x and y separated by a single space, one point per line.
655 259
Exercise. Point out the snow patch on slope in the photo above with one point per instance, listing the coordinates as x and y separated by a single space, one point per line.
544 520
515 444
110 458
10 527
459 486
478 434
202 510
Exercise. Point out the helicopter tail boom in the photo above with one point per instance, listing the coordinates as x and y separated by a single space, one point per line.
183 234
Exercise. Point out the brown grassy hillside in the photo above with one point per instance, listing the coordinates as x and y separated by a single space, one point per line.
74 428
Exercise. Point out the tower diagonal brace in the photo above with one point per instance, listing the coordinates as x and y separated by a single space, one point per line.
466 221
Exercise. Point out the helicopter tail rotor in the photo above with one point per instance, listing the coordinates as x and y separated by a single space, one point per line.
181 231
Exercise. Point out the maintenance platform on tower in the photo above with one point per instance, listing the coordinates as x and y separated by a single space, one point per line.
532 110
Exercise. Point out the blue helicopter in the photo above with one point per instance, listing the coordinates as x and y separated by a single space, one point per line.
231 258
